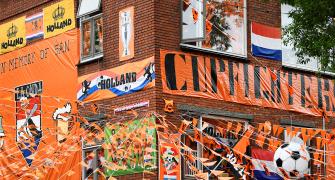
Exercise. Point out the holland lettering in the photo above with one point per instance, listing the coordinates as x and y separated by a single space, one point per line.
12 43
59 25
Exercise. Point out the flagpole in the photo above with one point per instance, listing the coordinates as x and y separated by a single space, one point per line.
324 148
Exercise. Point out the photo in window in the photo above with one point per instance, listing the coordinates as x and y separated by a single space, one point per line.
126 33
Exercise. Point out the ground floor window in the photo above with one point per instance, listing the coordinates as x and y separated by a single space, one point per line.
93 157
210 126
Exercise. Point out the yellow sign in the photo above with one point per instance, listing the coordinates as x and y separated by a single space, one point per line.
13 35
58 18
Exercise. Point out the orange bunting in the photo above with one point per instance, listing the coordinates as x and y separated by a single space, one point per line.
238 129
202 176
280 131
208 27
289 132
260 127
260 140
305 137
317 131
198 135
310 132
318 142
275 129
194 122
229 125
183 126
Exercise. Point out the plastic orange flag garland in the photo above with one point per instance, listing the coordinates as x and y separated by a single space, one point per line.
280 131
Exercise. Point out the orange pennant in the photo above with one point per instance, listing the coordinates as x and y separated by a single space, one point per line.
198 135
260 140
260 127
289 131
305 137
195 122
229 125
238 129
275 129
323 133
310 132
280 130
318 142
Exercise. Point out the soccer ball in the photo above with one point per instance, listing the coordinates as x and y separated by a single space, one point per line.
293 158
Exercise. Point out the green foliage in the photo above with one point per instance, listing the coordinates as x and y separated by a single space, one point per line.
312 32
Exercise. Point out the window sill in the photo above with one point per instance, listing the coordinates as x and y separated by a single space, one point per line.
211 51
304 69
90 60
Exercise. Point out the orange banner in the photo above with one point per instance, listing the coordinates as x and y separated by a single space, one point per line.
37 99
210 77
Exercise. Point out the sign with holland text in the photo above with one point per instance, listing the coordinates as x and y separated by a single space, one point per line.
58 18
118 81
13 35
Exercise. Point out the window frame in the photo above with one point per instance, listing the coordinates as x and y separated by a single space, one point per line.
90 12
93 55
198 46
199 149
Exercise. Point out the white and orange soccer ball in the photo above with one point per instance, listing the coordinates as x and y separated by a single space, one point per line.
292 159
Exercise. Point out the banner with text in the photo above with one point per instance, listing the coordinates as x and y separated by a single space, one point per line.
125 79
37 98
216 78
58 18
13 35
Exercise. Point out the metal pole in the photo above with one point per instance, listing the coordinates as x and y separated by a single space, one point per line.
324 148
199 146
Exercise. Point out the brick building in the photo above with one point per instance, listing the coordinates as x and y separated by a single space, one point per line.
158 25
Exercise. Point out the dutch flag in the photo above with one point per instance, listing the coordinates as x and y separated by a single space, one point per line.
264 168
266 41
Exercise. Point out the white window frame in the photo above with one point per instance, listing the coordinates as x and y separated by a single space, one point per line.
93 55
198 46
89 12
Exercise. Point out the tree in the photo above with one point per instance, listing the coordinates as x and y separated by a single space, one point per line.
312 31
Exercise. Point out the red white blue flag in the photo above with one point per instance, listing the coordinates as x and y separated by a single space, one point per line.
264 168
266 41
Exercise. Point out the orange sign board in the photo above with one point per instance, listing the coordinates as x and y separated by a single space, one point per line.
216 78
37 99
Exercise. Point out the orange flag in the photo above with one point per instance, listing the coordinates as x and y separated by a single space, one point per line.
276 143
260 140
303 130
280 130
275 129
289 131
238 129
310 132
318 142
317 131
195 122
183 126
197 135
260 127
271 145
305 137
229 125
323 133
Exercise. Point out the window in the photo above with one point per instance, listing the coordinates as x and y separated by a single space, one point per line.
93 159
289 57
222 30
91 26
228 138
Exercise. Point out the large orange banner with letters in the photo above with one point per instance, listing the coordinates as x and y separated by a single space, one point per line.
37 100
217 78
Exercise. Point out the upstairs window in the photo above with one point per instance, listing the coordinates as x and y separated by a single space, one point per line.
91 30
216 26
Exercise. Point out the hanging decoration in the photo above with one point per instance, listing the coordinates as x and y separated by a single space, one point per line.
168 106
